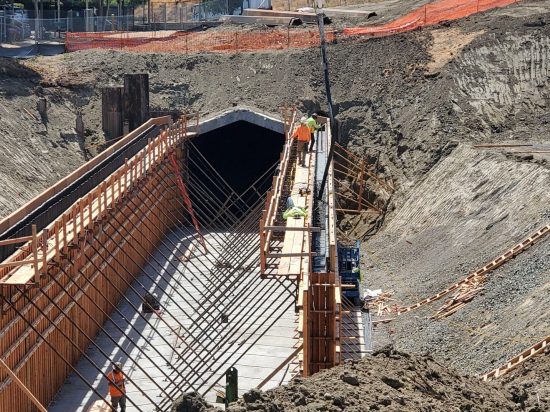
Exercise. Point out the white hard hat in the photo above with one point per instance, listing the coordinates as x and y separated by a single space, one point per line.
303 119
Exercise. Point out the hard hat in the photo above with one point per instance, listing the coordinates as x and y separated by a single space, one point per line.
155 295
303 119
117 365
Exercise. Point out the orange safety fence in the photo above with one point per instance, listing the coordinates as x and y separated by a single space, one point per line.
271 39
429 14
193 42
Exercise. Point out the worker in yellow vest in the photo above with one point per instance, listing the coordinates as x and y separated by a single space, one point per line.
117 388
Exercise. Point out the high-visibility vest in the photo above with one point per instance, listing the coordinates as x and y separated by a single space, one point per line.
302 133
116 383
312 124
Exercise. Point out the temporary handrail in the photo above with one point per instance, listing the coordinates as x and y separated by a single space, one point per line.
513 363
33 239
274 197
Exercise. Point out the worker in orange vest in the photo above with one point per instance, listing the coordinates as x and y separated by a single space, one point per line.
117 389
303 135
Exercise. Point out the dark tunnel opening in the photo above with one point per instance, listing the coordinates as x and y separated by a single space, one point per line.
237 159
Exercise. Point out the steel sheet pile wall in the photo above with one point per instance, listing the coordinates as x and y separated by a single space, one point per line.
93 252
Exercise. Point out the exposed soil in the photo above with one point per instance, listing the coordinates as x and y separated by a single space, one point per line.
417 102
386 381
530 383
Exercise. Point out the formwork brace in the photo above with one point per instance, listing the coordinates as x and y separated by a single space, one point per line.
22 386
186 198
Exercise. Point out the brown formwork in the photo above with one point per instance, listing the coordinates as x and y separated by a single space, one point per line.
36 365
321 323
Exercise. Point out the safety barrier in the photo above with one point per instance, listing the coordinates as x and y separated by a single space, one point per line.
430 14
186 42
271 39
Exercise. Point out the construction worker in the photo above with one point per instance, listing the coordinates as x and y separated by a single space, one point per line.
117 389
313 127
303 135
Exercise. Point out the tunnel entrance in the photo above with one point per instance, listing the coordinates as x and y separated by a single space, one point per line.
232 166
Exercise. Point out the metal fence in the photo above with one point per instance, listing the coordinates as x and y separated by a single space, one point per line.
202 11
13 30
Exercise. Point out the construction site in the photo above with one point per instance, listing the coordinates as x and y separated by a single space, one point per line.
164 216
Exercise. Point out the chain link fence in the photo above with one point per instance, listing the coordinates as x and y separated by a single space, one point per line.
14 30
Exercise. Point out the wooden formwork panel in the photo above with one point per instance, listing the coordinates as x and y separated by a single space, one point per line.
33 360
321 314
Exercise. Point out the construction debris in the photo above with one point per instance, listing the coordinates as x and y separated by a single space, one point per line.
465 294
305 17
267 20
375 300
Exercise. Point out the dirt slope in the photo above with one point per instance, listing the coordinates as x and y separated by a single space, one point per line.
470 208
530 383
492 87
35 151
387 381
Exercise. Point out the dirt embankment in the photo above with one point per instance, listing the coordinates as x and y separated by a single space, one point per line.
406 99
37 149
386 381
530 383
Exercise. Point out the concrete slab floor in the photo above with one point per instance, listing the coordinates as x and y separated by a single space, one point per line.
188 347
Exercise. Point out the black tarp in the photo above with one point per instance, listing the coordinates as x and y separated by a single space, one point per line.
22 52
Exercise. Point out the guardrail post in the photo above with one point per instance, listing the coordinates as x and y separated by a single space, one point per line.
35 254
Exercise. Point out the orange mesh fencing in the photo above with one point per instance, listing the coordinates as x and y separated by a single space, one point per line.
191 42
429 14
270 39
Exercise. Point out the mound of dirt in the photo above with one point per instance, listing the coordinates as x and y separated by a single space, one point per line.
190 402
12 68
386 381
530 383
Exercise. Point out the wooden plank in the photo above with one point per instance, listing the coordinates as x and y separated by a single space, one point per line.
15 240
290 229
22 386
291 255
14 264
